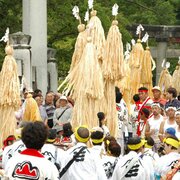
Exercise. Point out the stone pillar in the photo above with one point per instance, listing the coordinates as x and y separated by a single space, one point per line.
35 24
162 43
22 54
52 70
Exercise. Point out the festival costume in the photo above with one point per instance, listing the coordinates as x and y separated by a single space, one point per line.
30 164
130 167
85 167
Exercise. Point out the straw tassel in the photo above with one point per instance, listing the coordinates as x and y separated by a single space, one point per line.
176 78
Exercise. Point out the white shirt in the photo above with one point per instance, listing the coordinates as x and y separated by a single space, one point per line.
130 167
30 165
167 125
165 163
85 168
154 124
177 133
11 151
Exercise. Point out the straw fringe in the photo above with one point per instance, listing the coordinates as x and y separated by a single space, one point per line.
165 80
176 78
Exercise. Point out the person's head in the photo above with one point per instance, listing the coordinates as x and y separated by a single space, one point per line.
114 149
135 144
170 111
118 97
156 92
51 136
136 98
57 103
171 143
171 93
107 141
82 134
144 113
9 140
101 117
170 132
49 98
38 99
37 92
143 93
67 130
34 135
27 91
97 136
63 101
149 142
177 115
155 107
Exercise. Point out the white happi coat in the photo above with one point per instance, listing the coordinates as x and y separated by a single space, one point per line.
176 176
30 164
130 167
165 163
85 168
109 164
11 151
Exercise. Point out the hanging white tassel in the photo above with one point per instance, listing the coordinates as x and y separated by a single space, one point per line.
90 4
139 29
5 38
75 11
145 38
115 10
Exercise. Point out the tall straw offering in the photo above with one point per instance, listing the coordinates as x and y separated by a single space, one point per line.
97 32
113 70
89 88
135 62
176 77
165 79
78 51
9 93
147 68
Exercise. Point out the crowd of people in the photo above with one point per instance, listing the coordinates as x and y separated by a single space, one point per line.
146 146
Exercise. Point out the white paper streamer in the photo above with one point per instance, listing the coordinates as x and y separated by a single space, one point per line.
115 10
5 38
86 18
90 4
145 38
139 29
75 11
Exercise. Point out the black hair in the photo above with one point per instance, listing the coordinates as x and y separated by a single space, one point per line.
100 116
142 88
118 97
106 139
83 132
67 130
136 98
172 91
146 112
117 90
97 135
150 141
34 135
114 148
134 141
37 91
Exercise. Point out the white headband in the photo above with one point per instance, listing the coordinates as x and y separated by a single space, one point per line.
174 108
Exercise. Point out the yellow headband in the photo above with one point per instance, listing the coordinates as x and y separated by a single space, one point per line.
97 141
136 146
147 146
172 142
50 140
80 139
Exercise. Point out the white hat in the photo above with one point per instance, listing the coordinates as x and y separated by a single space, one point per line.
171 107
156 104
156 88
63 98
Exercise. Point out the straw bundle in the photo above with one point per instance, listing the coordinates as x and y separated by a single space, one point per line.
79 46
88 87
146 70
9 95
113 67
97 34
176 78
31 112
165 80
135 64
